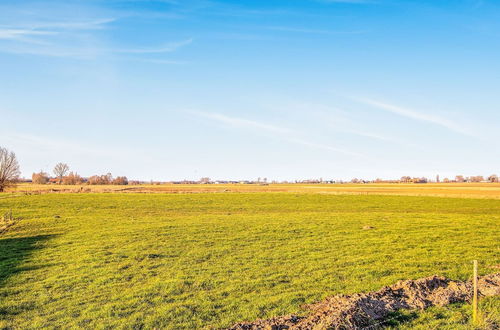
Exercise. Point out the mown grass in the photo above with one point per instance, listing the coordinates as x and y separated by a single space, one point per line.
209 260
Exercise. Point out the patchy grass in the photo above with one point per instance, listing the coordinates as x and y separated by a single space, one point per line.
209 260
452 317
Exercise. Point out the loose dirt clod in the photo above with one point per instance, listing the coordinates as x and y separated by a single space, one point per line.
365 309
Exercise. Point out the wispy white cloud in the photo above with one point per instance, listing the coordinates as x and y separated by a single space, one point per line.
323 147
19 34
382 138
170 47
280 132
160 61
69 31
59 39
44 151
348 122
239 122
337 119
53 145
222 10
241 36
65 146
88 52
92 24
413 114
52 37
25 36
311 31
366 134
42 29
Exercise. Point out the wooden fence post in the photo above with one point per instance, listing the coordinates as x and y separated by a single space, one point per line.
474 297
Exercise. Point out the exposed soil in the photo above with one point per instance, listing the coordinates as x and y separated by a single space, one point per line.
367 309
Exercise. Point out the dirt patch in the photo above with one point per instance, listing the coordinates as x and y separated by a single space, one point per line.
366 309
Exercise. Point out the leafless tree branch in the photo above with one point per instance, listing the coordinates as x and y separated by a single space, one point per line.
60 171
9 168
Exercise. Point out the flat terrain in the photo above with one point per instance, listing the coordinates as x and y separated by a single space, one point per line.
189 261
460 190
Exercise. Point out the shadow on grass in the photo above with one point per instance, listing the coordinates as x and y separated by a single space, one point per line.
13 253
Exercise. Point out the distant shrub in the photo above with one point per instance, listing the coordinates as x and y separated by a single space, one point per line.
72 179
40 178
493 178
100 179
120 180
477 178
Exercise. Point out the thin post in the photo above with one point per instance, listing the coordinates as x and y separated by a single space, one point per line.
474 297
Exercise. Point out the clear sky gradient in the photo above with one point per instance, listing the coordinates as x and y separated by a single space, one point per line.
173 89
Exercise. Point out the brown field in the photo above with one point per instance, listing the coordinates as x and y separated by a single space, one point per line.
460 190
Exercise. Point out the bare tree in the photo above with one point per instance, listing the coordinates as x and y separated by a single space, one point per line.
493 178
40 178
9 168
405 179
101 179
72 179
60 171
120 180
205 180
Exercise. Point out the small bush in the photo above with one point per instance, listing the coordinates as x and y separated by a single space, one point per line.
120 180
72 179
40 178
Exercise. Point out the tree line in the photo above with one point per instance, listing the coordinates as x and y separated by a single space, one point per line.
10 172
62 175
458 178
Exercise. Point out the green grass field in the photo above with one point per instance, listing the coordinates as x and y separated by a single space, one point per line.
186 261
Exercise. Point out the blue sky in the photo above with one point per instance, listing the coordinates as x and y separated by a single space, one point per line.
173 89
